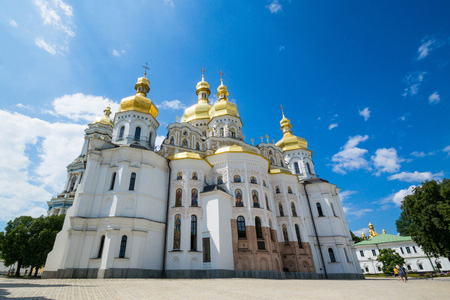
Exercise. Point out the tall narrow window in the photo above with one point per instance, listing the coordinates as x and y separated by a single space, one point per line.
374 253
255 199
233 133
289 190
194 198
253 180
100 249
241 227
121 132
309 168
319 209
222 132
171 141
113 181
332 209
267 203
193 233
299 238
259 234
184 143
123 247
194 176
206 250
414 248
280 208
294 211
296 167
137 133
197 146
408 250
177 233
285 234
331 254
277 189
401 249
132 181
238 196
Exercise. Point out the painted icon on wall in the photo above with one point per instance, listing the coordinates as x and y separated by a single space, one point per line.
178 198
255 199
239 202
194 198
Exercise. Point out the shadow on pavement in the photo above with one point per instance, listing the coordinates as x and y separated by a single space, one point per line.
4 294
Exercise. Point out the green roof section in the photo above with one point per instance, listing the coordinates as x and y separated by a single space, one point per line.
383 239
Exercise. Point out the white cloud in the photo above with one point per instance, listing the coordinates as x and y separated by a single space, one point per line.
434 98
159 140
425 48
447 149
416 176
44 45
331 126
169 3
274 7
174 104
365 113
351 157
281 48
422 154
20 105
402 118
118 53
397 198
344 195
13 23
360 231
386 160
413 81
78 107
357 212
27 186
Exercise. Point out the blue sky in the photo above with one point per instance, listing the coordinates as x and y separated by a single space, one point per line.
365 82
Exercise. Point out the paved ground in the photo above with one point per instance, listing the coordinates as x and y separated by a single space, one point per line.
110 289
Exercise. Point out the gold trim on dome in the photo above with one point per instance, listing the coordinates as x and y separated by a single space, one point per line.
196 112
187 155
105 120
281 171
222 108
290 141
234 148
139 102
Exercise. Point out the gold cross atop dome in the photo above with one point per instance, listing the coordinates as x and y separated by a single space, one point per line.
146 68
282 109
221 74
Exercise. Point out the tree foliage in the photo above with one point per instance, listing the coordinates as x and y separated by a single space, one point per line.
389 258
356 238
426 217
27 241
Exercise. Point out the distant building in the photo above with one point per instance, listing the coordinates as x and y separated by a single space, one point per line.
415 259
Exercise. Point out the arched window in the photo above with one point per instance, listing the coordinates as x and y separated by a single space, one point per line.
194 198
253 180
299 238
289 190
241 227
238 196
197 146
178 197
308 168
123 247
193 233
184 143
319 209
179 176
294 211
264 183
267 203
237 178
270 152
219 180
233 133
280 208
331 254
194 176
297 168
332 209
259 234
113 181
137 133
121 132
150 138
100 249
172 141
255 199
285 234
72 183
185 133
277 190
222 131
132 181
177 233
272 161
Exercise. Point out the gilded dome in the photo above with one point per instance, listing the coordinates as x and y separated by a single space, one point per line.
105 120
223 106
139 102
203 86
200 110
290 141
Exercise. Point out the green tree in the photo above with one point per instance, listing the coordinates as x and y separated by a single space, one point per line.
43 234
426 217
356 238
14 244
389 258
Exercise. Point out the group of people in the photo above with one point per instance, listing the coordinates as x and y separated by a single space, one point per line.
401 273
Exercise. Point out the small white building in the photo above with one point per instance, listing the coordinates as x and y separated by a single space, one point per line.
416 260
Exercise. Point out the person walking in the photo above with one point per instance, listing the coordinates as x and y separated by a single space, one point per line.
396 273
401 273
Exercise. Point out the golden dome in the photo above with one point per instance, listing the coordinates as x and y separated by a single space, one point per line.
201 109
185 155
290 141
223 106
139 102
105 118
233 148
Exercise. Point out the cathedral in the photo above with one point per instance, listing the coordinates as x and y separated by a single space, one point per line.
206 204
